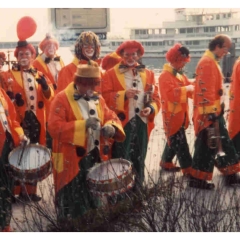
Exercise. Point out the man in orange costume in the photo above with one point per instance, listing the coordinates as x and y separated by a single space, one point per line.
11 136
50 64
234 105
175 89
30 91
80 124
87 47
129 89
208 116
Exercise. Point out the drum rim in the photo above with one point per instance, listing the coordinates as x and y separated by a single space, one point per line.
27 146
125 173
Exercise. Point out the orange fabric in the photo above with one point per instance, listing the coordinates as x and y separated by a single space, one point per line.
201 175
64 123
174 99
40 112
234 102
208 83
111 85
167 165
11 118
66 74
187 171
41 66
230 169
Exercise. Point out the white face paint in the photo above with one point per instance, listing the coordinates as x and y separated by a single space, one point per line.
24 58
88 50
130 59
50 50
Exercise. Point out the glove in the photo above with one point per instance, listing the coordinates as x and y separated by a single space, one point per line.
108 131
93 123
42 81
18 99
190 88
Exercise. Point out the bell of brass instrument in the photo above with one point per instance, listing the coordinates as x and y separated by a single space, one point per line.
212 139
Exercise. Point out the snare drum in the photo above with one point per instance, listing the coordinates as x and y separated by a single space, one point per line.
111 177
35 164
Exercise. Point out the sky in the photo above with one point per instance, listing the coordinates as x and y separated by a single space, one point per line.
149 13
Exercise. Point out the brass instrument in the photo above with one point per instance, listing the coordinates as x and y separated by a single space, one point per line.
147 99
214 139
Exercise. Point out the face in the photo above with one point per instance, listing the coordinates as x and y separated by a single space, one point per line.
221 52
1 63
88 50
87 88
50 50
24 58
178 65
130 58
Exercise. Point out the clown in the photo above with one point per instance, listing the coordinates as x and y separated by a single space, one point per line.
175 89
130 90
50 64
87 47
208 115
79 123
30 90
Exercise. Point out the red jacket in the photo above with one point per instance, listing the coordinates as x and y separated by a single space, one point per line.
174 99
208 89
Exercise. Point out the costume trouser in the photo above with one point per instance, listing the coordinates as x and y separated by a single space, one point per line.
75 199
236 143
134 148
6 184
204 157
178 146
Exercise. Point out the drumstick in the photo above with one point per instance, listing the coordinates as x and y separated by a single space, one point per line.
20 159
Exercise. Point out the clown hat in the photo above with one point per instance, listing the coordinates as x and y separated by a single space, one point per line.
131 46
26 27
48 39
90 70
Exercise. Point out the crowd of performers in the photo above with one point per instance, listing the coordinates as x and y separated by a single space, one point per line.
95 109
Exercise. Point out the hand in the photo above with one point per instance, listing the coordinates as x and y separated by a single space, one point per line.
24 140
42 81
145 112
190 88
18 99
130 93
93 123
108 131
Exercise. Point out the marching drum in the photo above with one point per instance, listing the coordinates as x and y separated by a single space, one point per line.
30 164
111 178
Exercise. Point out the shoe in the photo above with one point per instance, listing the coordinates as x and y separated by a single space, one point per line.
35 197
232 179
201 184
172 169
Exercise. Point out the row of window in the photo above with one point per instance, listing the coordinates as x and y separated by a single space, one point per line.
188 30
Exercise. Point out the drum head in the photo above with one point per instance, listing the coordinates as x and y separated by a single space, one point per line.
110 170
34 156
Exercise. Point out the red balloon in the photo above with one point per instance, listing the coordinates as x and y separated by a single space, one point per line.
26 27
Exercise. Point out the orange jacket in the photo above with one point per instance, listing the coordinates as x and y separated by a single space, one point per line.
68 130
41 66
208 88
114 88
66 74
17 87
174 99
234 101
14 126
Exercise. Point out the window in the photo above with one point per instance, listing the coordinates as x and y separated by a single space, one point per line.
160 43
212 29
164 31
217 16
205 29
176 31
189 30
155 44
156 31
196 42
136 31
182 30
229 15
236 27
150 31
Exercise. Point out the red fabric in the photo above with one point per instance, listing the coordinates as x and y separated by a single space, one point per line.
3 56
174 55
110 60
46 41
